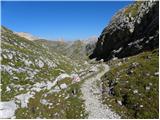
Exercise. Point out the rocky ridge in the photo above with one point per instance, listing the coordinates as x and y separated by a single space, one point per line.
132 30
27 35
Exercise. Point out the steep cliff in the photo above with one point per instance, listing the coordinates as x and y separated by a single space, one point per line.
132 30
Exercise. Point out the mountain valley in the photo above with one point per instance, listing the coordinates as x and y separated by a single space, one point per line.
113 76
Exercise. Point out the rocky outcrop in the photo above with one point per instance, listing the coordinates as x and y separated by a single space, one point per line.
132 30
90 45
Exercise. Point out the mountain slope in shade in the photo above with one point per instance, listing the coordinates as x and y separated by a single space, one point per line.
132 30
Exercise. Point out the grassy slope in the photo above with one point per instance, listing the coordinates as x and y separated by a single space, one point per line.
135 85
28 50
23 49
132 9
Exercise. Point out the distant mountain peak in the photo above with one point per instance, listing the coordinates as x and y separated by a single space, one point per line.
27 35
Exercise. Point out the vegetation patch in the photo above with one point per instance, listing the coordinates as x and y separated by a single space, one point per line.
133 9
131 88
64 104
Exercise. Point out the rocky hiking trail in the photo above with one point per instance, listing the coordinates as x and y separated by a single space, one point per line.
92 96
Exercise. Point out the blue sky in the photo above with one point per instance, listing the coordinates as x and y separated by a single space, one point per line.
53 20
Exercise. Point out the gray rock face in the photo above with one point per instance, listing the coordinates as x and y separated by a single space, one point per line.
90 47
131 31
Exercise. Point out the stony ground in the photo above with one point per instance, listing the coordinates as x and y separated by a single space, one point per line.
92 97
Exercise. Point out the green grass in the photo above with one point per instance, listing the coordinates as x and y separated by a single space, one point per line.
133 9
125 82
75 105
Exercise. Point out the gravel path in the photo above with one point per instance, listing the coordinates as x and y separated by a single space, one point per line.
92 96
